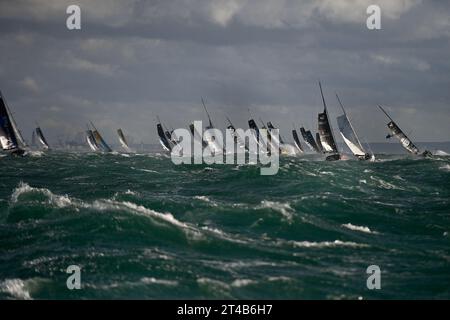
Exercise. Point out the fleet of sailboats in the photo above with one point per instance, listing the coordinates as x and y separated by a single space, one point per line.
12 141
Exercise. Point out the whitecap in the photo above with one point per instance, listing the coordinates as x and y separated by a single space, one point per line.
441 153
152 280
17 288
327 244
283 208
445 168
242 283
57 200
358 228
206 199
386 185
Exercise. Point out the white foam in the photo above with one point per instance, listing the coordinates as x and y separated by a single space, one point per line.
206 199
327 244
283 208
242 283
386 185
445 168
57 200
358 228
16 288
152 280
441 153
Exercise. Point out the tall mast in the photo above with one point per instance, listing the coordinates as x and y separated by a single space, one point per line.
353 129
207 113
328 118
387 115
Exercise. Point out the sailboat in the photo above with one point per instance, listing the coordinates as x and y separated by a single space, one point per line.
297 140
350 137
91 140
404 140
237 139
163 140
123 140
309 140
41 138
11 139
210 139
285 148
100 142
326 132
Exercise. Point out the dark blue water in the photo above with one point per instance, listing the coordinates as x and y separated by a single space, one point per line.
140 227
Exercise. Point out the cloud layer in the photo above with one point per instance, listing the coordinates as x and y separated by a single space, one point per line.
134 60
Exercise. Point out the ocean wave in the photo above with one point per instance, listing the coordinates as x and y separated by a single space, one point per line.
283 208
207 200
440 153
98 205
385 185
16 288
358 228
445 168
327 244
57 200
242 283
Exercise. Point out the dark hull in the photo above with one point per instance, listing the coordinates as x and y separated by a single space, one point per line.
333 157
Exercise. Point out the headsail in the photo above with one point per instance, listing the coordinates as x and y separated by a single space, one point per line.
41 138
325 131
349 135
398 133
9 139
122 140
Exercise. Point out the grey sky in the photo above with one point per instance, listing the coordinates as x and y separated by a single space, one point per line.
134 60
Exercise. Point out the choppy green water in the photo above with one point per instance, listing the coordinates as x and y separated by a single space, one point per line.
141 227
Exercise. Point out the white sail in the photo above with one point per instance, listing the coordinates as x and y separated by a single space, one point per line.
349 136
122 140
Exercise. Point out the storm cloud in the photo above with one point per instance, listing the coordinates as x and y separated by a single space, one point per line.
133 60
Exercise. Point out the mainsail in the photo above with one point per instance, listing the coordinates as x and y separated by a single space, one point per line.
297 140
326 132
349 135
41 138
319 143
122 140
91 140
99 140
398 133
9 140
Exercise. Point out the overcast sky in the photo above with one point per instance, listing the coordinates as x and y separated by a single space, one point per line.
133 60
